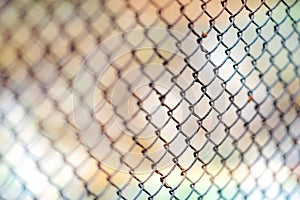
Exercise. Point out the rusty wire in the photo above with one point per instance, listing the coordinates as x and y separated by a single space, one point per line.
149 99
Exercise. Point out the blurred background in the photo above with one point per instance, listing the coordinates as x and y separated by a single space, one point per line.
149 99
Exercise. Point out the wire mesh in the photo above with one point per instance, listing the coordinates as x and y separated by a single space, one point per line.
149 99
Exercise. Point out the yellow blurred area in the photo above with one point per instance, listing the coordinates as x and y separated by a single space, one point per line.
39 143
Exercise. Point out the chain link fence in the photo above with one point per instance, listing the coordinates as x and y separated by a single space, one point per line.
150 99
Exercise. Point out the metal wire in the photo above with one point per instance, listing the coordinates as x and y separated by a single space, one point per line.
146 99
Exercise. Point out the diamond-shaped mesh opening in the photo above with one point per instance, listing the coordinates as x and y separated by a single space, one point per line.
149 99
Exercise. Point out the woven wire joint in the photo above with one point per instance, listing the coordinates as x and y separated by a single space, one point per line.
149 99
